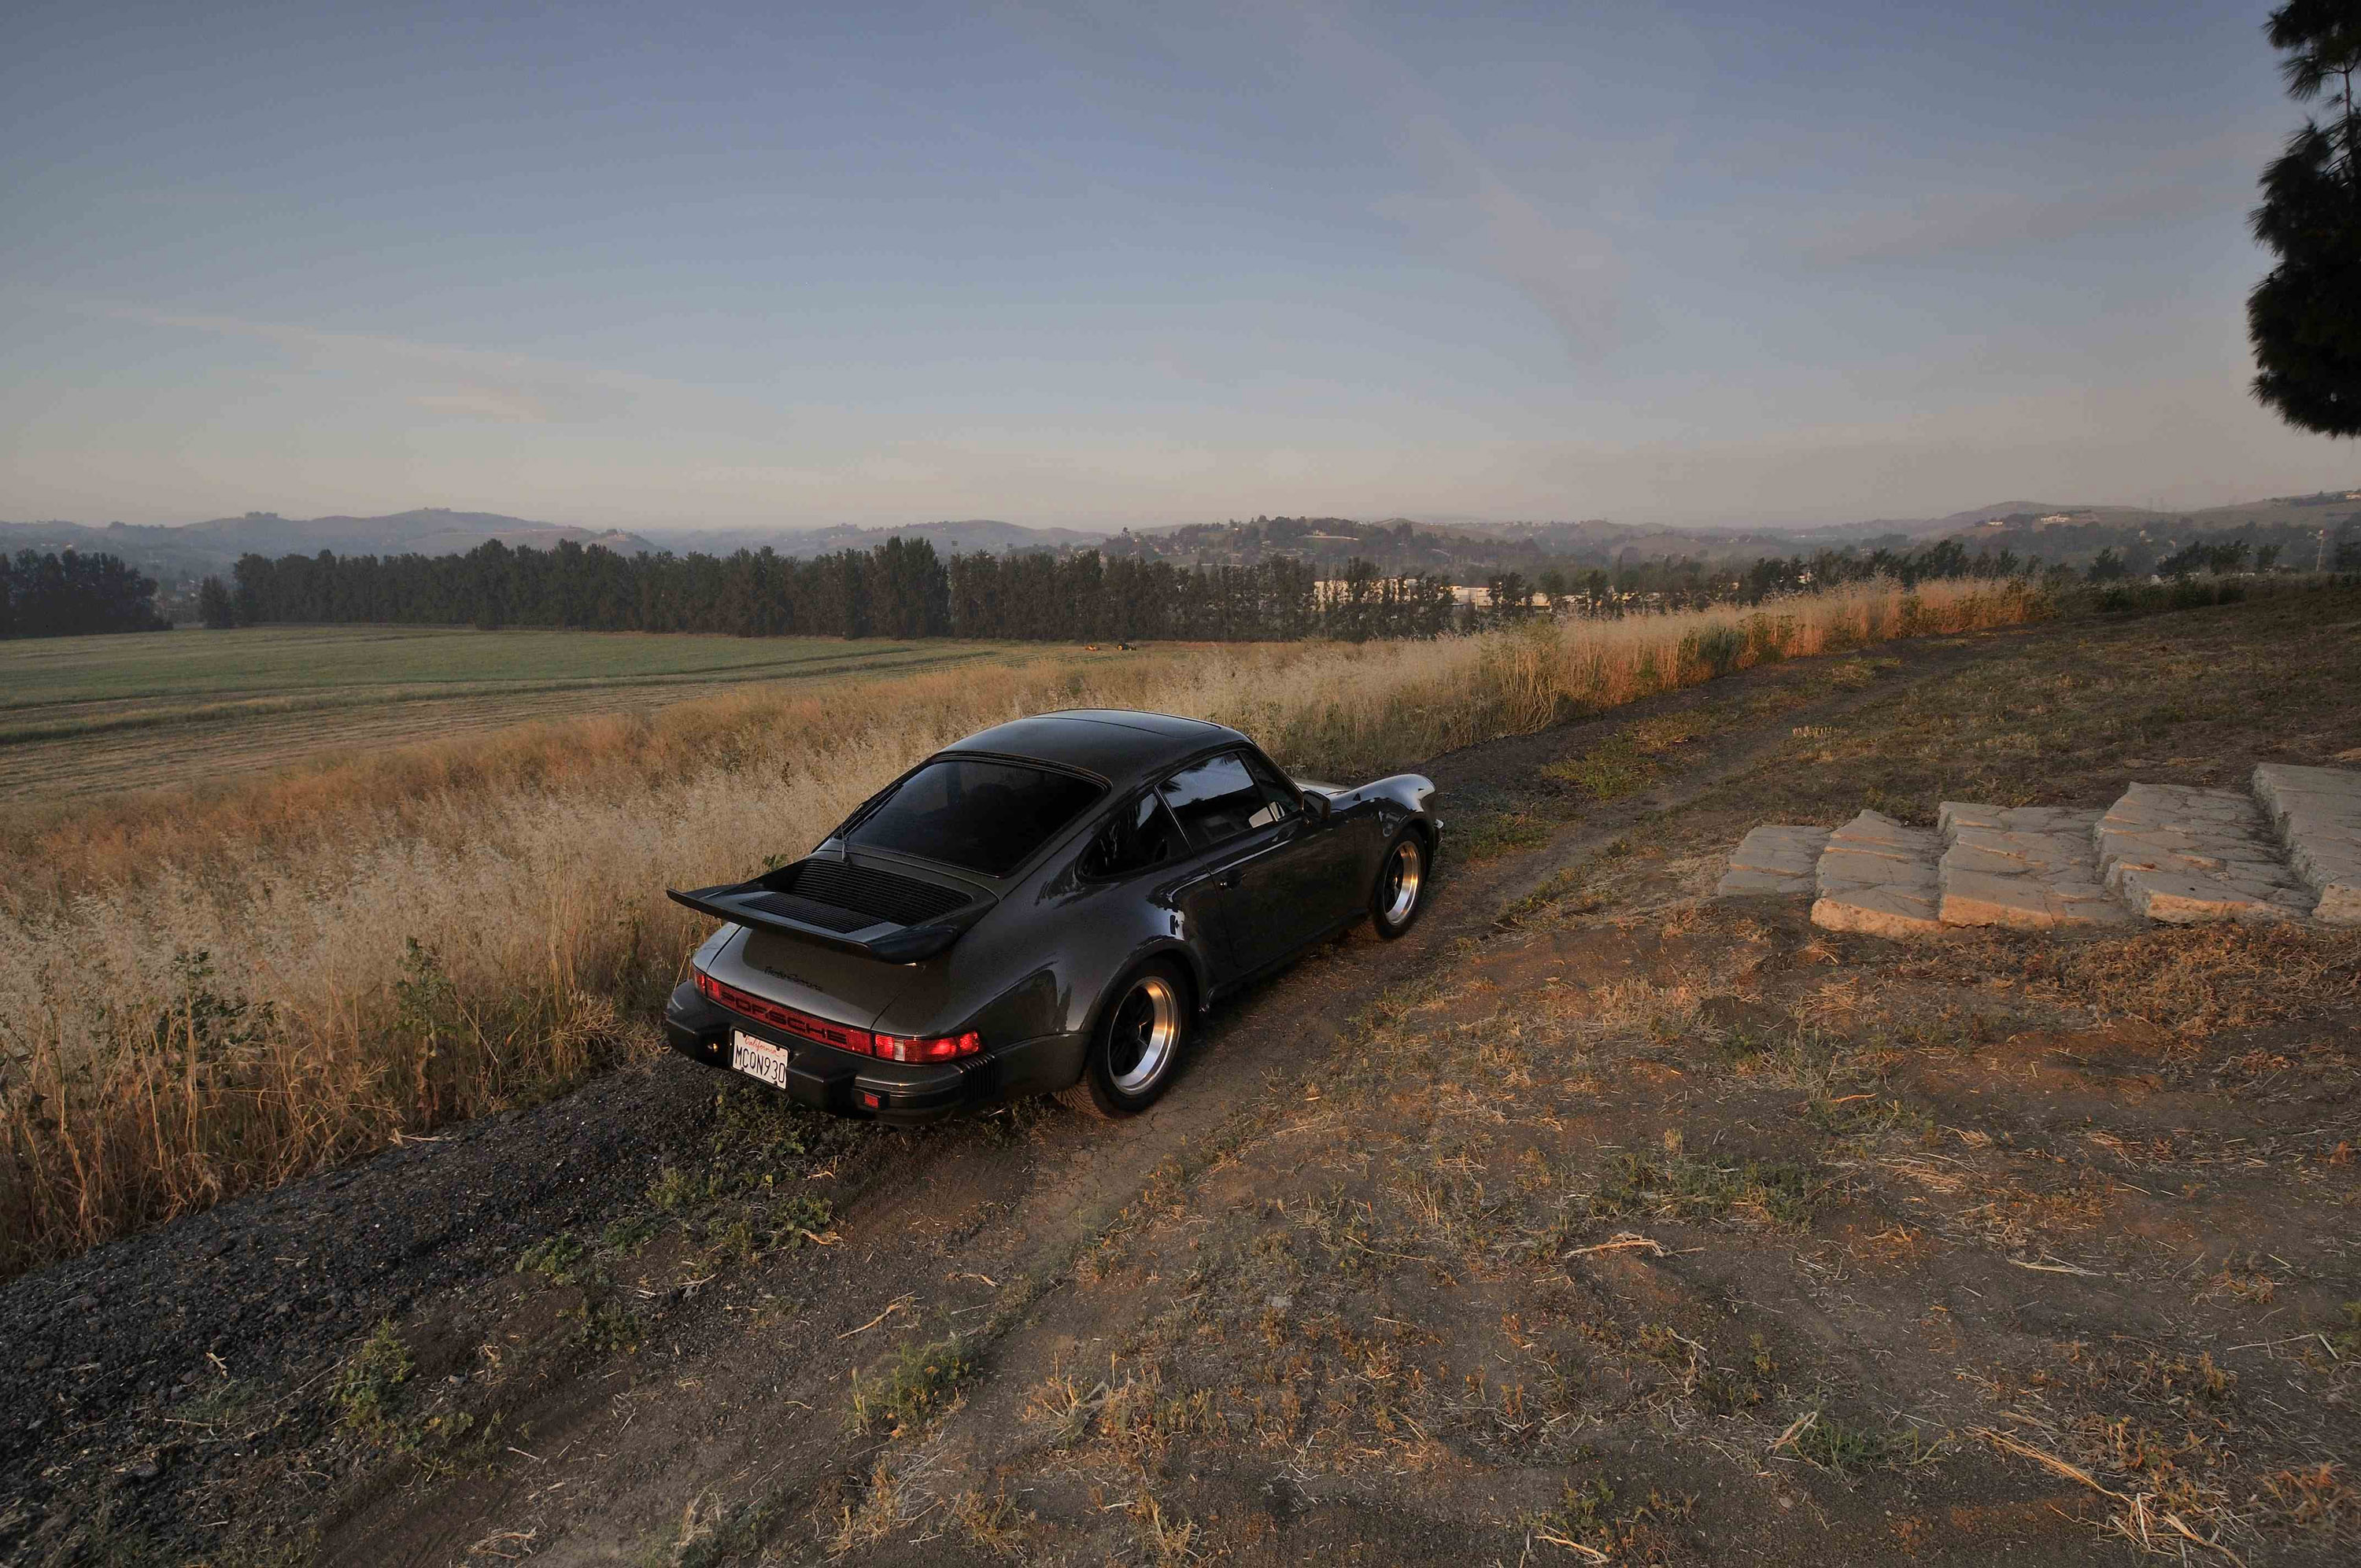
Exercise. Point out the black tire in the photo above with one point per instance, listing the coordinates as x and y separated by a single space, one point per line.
1137 1044
1400 895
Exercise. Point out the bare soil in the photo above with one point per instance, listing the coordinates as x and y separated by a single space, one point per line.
1595 1220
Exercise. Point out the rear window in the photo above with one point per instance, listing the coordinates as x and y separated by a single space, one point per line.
980 816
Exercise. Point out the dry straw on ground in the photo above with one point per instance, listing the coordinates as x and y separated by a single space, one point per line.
204 993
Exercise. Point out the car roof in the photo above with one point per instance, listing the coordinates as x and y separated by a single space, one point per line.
1120 746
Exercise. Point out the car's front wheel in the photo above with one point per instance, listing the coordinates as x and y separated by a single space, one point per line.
1136 1047
1400 893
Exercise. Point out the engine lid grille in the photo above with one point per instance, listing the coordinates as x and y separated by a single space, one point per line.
827 917
826 892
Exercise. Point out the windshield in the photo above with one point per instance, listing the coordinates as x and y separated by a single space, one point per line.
977 815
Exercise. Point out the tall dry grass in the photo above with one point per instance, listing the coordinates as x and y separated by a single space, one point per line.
204 993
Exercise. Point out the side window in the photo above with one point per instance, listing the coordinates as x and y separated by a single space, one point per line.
1280 798
1142 835
1220 798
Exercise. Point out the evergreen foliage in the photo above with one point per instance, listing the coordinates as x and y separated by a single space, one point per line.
900 589
2305 317
67 594
214 607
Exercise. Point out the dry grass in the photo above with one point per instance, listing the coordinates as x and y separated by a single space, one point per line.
200 995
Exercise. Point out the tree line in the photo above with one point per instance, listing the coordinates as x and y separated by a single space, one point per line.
899 588
904 589
65 593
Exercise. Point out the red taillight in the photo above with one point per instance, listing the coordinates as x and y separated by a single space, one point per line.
941 1047
803 1026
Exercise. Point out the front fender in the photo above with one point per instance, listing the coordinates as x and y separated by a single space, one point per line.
1397 799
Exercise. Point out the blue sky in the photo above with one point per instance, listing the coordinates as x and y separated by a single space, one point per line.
1114 264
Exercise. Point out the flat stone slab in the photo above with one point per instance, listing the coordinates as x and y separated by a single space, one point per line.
2186 855
2317 813
1773 859
1878 876
2028 867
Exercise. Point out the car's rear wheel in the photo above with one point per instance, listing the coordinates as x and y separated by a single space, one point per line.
1400 893
1136 1047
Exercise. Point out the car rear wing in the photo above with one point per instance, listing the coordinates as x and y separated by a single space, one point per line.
875 913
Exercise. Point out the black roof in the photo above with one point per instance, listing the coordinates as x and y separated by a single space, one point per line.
1119 745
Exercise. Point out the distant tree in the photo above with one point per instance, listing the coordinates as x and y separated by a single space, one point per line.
2225 558
2267 558
2305 317
2109 567
1510 595
68 594
214 607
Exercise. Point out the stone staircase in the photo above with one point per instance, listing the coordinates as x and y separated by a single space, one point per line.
2288 849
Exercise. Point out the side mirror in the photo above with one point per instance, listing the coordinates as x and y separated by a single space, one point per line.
1316 806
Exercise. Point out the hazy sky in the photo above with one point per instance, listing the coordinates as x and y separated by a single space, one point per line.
720 265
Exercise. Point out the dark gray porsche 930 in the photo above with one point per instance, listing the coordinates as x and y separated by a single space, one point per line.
1046 907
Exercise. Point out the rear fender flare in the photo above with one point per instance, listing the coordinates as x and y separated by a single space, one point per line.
1180 953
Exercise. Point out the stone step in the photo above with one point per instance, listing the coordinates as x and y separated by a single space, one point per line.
2186 855
1878 876
2032 868
2317 814
1773 860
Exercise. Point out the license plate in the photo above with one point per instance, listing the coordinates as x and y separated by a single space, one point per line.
759 1058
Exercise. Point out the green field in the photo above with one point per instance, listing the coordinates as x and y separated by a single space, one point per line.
79 714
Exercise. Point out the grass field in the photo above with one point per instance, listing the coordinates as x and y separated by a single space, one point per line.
143 712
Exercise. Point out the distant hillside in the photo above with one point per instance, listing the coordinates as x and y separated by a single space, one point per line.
968 536
2056 533
170 554
429 530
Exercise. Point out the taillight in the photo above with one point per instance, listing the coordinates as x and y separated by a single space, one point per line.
941 1047
843 1037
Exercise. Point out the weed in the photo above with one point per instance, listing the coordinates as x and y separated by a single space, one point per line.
1834 1443
216 1403
1865 1115
366 1390
756 1139
2348 1340
1587 1520
628 1234
1169 1540
916 1382
1655 737
996 1523
1608 772
607 1326
557 1258
1493 833
1777 1192
710 1532
735 1244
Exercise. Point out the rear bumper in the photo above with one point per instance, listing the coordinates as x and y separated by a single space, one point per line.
844 1083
